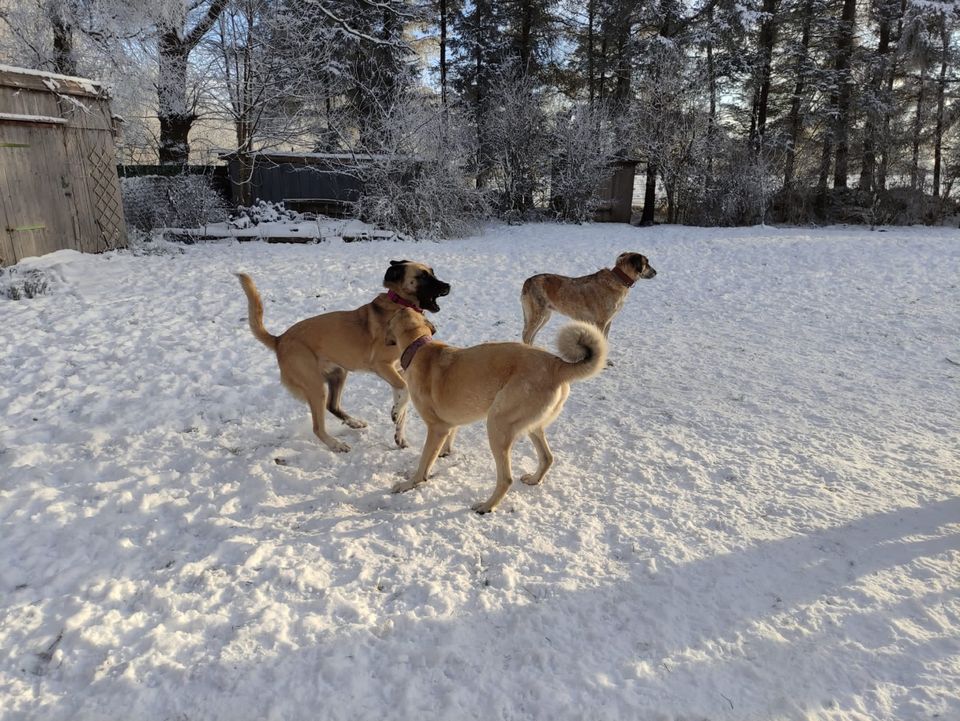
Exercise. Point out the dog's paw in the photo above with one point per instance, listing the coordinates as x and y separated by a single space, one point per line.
400 441
404 486
482 508
338 446
355 422
531 479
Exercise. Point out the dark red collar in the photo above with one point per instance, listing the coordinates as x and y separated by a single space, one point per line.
407 357
623 277
404 302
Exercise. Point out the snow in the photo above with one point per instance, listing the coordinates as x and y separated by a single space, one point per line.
753 514
319 229
51 80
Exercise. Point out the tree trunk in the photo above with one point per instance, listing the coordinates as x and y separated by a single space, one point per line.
443 52
795 120
766 42
868 166
825 157
621 92
175 114
63 59
917 128
175 117
712 118
590 63
941 91
526 29
603 68
881 180
844 53
650 194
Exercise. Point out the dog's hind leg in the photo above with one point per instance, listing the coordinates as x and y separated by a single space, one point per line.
336 380
448 443
535 315
316 398
501 434
544 458
401 398
436 435
300 374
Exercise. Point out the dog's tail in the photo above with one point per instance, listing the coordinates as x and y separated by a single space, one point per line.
583 351
255 312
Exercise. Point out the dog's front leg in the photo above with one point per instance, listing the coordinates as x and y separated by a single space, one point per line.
436 435
401 398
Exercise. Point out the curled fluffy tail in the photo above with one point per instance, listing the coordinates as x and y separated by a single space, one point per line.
255 312
583 351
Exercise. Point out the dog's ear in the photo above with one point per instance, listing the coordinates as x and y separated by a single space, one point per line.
622 257
395 272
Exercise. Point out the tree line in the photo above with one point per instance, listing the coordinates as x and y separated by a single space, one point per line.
736 111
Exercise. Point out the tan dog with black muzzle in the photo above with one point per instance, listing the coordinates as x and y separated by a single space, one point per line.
316 354
594 298
515 387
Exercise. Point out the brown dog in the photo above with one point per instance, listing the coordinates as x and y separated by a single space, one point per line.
315 354
515 387
594 298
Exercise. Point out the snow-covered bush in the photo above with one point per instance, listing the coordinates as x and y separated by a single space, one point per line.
582 151
417 182
16 284
178 201
516 145
263 211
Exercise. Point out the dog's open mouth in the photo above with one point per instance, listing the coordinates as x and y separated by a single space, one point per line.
429 293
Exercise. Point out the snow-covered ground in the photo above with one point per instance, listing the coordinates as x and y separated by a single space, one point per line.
754 514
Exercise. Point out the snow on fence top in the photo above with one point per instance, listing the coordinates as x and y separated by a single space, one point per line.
11 76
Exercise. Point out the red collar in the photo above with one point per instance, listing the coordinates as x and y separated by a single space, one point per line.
407 357
623 277
404 302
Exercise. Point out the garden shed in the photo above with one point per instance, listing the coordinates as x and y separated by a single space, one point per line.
616 193
58 177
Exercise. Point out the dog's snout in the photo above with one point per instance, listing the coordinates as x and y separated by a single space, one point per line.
444 289
649 272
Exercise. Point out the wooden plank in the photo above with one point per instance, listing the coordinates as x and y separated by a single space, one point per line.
7 254
33 119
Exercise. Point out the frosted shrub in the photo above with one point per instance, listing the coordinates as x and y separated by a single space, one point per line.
180 201
16 284
263 211
582 151
514 132
417 184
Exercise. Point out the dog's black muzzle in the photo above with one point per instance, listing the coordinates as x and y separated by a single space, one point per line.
430 289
